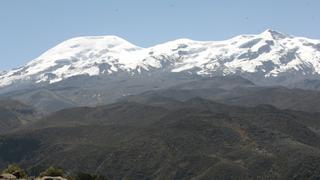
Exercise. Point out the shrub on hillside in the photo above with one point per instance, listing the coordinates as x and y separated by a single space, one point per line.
86 176
15 170
53 172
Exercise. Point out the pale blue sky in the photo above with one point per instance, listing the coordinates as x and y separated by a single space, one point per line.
30 27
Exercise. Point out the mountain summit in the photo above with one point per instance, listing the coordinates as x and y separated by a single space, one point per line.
270 56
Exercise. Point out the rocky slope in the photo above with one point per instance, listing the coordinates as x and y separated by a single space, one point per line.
14 114
194 139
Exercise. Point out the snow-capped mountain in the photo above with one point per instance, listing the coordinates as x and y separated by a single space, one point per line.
267 55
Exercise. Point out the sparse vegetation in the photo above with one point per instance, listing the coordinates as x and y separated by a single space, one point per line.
87 176
53 172
15 170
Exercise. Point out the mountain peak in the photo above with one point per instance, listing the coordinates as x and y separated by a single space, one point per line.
86 45
270 33
109 41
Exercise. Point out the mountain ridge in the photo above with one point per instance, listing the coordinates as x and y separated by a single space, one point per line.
269 55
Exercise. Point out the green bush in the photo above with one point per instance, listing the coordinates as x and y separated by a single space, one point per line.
86 176
53 172
15 170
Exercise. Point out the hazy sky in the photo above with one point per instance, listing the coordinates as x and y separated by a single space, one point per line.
30 27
